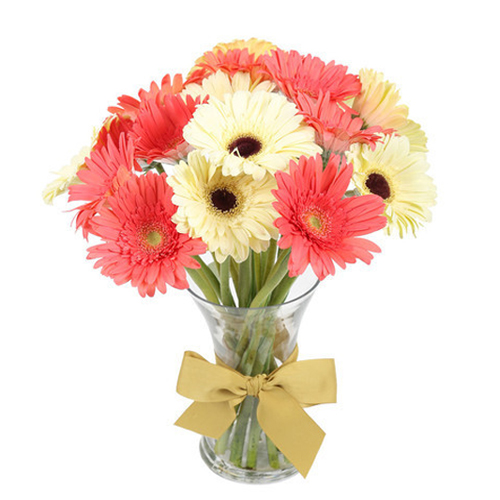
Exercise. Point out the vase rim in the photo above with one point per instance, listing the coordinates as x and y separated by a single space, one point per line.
309 291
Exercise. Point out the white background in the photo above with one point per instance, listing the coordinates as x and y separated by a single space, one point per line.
88 369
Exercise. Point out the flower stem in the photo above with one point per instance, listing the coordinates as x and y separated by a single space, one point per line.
279 271
216 263
272 451
235 273
253 437
238 441
156 165
351 192
253 362
270 258
272 454
225 291
203 284
221 444
280 293
209 275
257 270
250 354
262 365
245 282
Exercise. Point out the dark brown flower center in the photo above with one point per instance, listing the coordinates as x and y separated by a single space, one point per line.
377 184
223 200
245 146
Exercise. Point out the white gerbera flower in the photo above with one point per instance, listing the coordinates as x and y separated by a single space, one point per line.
231 214
398 175
219 84
66 176
251 133
378 104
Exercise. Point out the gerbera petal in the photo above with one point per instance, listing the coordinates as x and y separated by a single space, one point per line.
251 133
141 243
230 213
397 174
317 223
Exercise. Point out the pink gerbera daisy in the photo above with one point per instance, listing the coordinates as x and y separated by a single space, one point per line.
105 171
129 107
295 73
113 127
320 226
336 128
159 127
230 62
141 243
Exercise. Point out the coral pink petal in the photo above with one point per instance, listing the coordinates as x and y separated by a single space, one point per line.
141 243
319 225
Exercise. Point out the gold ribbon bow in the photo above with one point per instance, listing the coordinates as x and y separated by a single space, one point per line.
217 389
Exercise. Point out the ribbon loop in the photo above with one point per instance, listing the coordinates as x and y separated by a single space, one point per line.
217 389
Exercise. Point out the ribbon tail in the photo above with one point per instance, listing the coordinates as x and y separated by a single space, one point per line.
289 427
208 419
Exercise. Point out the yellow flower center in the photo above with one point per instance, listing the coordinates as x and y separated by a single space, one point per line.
317 221
154 238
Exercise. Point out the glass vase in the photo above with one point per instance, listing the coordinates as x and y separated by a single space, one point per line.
252 341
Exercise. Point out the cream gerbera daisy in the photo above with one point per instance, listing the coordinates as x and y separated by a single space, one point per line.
253 45
416 136
230 214
378 104
219 84
397 175
66 177
251 133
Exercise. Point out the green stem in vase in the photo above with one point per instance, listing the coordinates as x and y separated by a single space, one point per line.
235 274
250 354
280 293
245 282
203 284
238 441
242 345
249 365
270 258
209 275
257 270
262 365
221 444
242 418
279 271
273 453
216 264
225 290
253 437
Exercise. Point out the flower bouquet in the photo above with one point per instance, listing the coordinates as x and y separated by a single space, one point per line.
260 167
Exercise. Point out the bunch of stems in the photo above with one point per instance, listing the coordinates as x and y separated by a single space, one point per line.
259 281
262 280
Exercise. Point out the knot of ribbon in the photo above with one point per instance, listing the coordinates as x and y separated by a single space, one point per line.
217 389
254 384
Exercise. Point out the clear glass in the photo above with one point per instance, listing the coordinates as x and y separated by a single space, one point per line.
252 341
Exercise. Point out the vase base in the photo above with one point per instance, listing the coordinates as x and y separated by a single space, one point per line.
240 475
